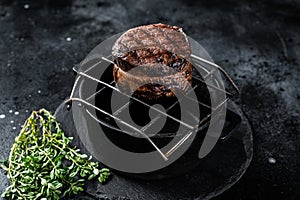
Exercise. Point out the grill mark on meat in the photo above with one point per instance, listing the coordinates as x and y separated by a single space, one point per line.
174 41
145 35
150 45
133 37
165 35
123 46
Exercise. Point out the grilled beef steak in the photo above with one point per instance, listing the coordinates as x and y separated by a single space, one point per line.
154 47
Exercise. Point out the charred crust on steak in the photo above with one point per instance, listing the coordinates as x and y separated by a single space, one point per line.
152 46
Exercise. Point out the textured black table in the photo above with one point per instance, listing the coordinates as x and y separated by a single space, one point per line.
257 43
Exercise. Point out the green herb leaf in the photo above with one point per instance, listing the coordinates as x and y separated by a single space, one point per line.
42 165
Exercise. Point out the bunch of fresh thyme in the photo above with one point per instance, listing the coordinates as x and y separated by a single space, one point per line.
42 165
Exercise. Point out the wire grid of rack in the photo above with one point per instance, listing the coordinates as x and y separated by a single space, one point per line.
208 70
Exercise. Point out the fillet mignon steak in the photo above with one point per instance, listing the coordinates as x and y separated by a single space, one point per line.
154 47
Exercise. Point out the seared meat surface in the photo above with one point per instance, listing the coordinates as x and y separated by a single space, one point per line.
154 47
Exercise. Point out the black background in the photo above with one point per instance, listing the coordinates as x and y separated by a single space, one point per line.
257 43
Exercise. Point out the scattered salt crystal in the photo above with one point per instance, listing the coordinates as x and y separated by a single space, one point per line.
26 111
12 121
16 113
69 39
14 128
26 6
272 160
39 91
2 116
10 111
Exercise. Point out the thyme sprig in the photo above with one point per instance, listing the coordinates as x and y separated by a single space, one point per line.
42 165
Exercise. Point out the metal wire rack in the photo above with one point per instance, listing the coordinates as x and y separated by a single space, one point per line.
208 70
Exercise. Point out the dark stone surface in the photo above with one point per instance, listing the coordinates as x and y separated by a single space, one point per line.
258 44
